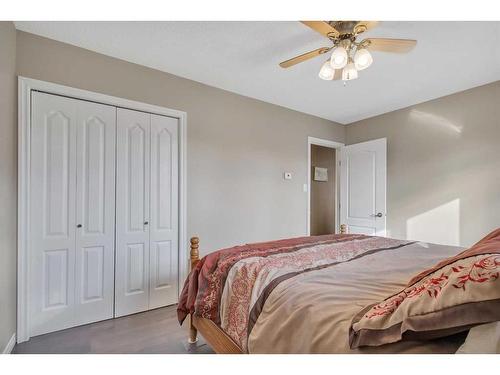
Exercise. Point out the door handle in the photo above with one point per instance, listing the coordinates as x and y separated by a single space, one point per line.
146 223
79 226
378 214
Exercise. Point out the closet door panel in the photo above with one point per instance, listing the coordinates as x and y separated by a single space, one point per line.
95 212
132 212
52 212
136 269
164 212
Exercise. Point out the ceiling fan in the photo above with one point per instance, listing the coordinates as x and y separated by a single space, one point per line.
349 55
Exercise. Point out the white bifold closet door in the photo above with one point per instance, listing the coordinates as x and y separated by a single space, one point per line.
146 272
72 212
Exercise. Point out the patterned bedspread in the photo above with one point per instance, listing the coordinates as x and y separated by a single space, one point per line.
231 286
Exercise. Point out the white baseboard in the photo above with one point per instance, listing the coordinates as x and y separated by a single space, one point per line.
10 345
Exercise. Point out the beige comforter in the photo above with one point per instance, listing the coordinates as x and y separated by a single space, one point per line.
312 311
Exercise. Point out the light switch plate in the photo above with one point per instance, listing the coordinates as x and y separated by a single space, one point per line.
288 176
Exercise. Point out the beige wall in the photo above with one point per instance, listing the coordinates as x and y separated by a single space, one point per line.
443 166
238 148
323 192
8 182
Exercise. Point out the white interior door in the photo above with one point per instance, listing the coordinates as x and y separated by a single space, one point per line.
78 273
147 212
163 286
132 211
70 267
52 213
363 187
95 212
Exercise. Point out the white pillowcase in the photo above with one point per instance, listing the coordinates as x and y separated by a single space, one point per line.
482 339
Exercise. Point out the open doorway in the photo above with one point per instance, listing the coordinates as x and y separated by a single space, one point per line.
323 183
323 190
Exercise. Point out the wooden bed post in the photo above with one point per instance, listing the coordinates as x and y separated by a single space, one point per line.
216 338
195 258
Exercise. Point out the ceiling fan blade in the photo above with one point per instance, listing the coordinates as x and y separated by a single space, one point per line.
322 27
363 26
304 57
389 45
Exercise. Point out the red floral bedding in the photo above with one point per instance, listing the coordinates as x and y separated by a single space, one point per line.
230 286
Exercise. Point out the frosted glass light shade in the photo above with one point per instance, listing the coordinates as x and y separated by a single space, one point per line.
349 72
326 72
339 58
362 59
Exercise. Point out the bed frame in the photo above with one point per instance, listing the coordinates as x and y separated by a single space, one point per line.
220 342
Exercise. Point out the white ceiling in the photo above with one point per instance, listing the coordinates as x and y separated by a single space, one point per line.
243 57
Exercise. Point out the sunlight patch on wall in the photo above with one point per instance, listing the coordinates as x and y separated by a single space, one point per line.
440 122
439 225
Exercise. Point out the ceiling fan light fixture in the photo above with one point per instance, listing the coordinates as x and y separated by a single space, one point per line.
349 72
362 59
326 72
349 52
339 58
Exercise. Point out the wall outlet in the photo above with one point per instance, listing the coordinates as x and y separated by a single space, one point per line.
288 176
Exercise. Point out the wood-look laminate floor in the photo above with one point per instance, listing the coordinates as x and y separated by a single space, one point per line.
155 331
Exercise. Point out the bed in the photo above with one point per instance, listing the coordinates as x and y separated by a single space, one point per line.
301 295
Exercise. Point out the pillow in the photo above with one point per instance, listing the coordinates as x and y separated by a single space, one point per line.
453 296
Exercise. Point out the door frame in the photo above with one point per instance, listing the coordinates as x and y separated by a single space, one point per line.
329 144
25 87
